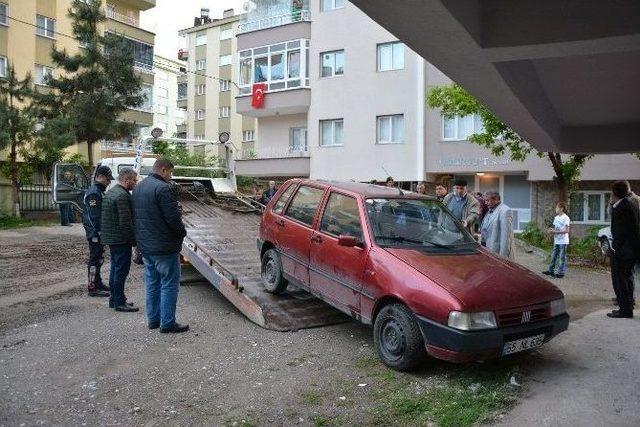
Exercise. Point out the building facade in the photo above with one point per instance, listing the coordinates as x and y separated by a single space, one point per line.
207 91
166 114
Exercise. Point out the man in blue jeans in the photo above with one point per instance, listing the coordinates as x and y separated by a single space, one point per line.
159 235
560 232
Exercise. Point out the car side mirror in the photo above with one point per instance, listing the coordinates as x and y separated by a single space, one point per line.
348 241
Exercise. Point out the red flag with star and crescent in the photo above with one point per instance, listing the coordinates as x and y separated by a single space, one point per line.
257 95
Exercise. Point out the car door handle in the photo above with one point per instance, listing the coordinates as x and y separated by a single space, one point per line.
280 222
316 239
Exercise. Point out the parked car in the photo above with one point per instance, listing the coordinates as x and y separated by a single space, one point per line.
402 263
605 241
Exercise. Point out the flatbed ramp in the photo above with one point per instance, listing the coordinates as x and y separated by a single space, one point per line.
221 245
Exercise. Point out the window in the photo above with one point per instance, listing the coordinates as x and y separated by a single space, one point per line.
199 114
225 60
198 137
460 128
589 207
225 112
282 201
45 26
331 132
3 14
163 92
142 52
226 33
200 89
332 5
391 129
146 91
162 109
182 90
225 85
201 39
247 136
3 66
201 64
390 56
341 216
42 73
332 63
298 139
304 204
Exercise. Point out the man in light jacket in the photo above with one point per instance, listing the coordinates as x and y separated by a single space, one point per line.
496 232
463 205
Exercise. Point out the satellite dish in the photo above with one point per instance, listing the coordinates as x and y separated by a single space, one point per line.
223 137
156 133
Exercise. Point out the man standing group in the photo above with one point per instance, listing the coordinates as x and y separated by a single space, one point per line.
496 231
462 204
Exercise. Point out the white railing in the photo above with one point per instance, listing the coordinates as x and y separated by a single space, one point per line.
121 147
143 67
275 21
520 219
273 153
111 13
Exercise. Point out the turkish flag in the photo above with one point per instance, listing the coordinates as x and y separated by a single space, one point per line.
257 95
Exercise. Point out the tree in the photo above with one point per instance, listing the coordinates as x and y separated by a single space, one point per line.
98 83
49 146
500 138
16 124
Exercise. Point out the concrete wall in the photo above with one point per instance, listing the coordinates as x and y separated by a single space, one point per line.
274 133
359 96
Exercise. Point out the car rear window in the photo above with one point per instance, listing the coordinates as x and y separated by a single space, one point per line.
304 204
282 201
341 216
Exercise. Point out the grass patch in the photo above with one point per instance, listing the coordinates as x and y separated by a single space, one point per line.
238 422
311 397
7 222
324 421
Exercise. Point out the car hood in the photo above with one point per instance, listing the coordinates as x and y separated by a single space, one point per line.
480 280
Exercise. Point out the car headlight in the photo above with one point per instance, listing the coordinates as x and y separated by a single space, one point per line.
557 307
472 321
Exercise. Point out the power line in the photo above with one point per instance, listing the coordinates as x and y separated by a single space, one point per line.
37 26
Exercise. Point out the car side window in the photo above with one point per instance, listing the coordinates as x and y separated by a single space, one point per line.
304 204
282 201
341 216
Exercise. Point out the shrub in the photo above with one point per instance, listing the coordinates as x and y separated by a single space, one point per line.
533 236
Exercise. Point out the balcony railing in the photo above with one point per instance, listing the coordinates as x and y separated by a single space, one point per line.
111 13
275 21
143 67
273 153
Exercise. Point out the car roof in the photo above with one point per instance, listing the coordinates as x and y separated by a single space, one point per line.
367 190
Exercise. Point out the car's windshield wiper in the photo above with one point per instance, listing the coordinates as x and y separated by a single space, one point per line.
419 242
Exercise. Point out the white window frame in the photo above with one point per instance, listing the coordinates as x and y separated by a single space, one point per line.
305 134
604 201
201 39
329 5
5 22
333 131
477 128
201 89
394 66
162 109
390 118
199 115
227 59
45 71
49 29
333 68
224 112
226 34
4 64
248 136
225 85
201 64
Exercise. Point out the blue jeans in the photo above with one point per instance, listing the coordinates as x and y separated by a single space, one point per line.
162 278
120 266
559 256
66 212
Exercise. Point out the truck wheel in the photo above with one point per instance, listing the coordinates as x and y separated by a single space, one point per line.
272 277
398 339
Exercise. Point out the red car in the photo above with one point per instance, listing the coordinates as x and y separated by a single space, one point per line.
400 261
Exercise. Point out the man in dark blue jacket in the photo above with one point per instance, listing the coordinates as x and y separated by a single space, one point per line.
91 219
159 235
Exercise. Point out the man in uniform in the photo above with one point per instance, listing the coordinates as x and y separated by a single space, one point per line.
91 219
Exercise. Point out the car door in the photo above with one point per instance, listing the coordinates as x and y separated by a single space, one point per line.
70 183
296 229
336 271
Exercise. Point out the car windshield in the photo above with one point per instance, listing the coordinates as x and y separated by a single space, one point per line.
416 223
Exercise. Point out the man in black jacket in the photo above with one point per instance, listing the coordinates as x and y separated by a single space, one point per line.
91 219
159 235
625 231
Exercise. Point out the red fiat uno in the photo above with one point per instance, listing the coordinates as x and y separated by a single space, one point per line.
400 261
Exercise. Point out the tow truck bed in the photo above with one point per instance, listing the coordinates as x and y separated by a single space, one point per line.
221 245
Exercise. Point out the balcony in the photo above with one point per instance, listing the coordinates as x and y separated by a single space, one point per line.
273 162
274 21
290 101
125 19
183 54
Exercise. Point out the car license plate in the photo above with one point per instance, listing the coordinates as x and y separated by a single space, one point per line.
522 344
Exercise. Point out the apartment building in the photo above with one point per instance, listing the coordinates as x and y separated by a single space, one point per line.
207 91
29 29
166 114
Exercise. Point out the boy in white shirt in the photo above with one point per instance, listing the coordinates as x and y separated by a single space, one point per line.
560 231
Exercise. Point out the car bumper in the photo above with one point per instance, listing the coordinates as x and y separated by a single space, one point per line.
455 345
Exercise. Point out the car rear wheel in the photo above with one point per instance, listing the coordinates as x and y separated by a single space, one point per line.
272 278
398 339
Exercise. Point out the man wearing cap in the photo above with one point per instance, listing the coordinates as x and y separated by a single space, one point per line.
91 219
463 205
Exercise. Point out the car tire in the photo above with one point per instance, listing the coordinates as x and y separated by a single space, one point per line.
272 277
605 246
397 338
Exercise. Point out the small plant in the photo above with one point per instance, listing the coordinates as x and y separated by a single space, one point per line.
533 236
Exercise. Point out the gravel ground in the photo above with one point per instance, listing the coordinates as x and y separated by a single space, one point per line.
69 360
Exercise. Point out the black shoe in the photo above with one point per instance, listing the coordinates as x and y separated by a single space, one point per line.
126 308
99 293
616 314
153 325
128 304
103 287
176 328
548 273
559 276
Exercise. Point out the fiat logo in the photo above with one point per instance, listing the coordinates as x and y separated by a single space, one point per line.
526 317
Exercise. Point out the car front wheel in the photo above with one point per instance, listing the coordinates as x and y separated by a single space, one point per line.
272 277
397 338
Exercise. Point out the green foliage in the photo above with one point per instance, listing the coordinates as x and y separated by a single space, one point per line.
532 235
49 145
97 83
587 247
181 156
246 182
9 221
